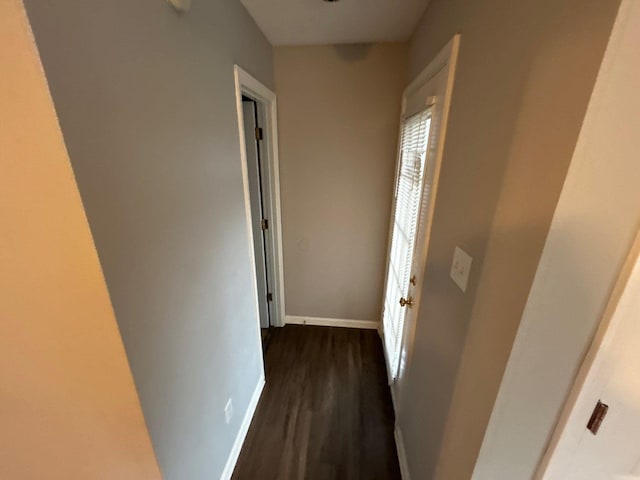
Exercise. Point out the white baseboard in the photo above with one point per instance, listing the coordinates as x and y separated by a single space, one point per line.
242 433
402 454
331 322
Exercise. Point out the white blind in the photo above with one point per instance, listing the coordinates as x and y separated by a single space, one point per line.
413 152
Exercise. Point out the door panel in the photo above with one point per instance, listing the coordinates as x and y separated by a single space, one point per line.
420 148
255 194
408 196
264 174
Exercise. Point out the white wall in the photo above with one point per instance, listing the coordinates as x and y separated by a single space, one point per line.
338 114
68 405
592 230
147 108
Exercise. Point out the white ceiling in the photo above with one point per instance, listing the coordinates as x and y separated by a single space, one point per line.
315 22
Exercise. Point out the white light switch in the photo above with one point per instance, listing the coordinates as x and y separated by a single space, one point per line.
460 268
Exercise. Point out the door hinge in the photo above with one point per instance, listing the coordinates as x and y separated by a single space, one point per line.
269 297
264 224
258 133
597 417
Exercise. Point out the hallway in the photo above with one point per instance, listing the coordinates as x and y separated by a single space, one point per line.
325 412
330 239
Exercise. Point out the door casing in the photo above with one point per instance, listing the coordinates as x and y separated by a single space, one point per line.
247 85
433 86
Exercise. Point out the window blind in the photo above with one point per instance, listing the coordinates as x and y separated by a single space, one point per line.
413 151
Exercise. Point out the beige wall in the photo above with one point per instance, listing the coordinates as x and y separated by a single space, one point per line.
68 406
525 73
146 101
338 113
595 222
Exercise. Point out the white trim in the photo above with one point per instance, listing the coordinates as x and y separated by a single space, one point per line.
446 56
402 454
597 366
332 322
242 433
248 85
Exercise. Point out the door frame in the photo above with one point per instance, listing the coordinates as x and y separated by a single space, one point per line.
245 84
596 359
446 59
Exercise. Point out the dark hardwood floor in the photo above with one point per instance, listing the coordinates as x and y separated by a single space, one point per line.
265 334
325 412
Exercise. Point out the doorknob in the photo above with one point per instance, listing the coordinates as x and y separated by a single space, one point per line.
406 302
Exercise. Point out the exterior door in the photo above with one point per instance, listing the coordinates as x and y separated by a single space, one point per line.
409 192
598 437
425 111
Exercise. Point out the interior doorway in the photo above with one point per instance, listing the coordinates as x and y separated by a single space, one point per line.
257 169
256 107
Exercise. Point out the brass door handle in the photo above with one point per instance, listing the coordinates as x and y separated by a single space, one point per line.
406 302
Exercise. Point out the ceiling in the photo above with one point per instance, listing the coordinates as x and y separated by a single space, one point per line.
316 22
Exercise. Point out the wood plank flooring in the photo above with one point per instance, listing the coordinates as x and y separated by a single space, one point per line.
325 412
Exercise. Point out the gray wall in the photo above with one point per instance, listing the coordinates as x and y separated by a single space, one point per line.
525 73
146 103
338 113
68 406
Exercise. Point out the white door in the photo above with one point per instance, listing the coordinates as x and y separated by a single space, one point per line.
408 195
610 377
422 134
258 191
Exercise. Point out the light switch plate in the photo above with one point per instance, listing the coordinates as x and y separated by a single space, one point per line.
460 268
